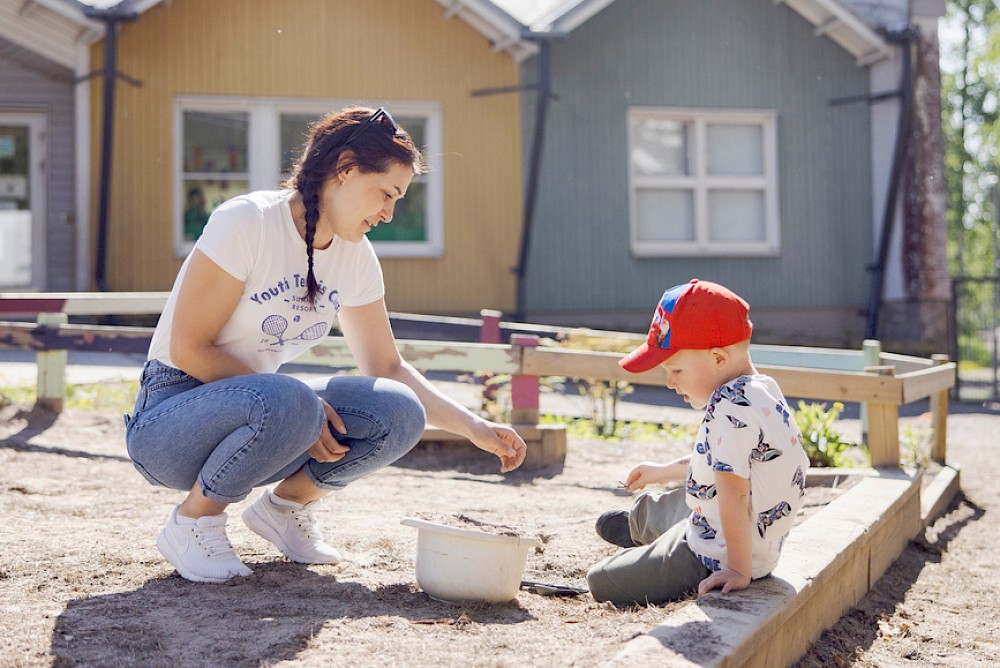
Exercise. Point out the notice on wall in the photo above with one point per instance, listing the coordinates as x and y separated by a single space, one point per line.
15 187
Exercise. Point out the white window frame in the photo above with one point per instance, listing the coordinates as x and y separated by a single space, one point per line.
700 182
264 158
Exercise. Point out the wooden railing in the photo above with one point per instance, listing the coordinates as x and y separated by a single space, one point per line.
880 382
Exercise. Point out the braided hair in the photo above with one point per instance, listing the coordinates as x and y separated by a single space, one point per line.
372 151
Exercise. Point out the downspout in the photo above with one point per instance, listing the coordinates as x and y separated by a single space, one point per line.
905 37
544 88
111 17
534 168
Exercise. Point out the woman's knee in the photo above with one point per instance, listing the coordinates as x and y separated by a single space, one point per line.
290 406
404 412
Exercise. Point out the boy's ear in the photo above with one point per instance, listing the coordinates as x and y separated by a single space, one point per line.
720 357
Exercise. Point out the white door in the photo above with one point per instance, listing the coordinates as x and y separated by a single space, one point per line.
22 201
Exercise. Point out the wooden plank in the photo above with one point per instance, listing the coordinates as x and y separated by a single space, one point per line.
836 385
904 363
928 382
585 364
794 382
28 336
812 358
84 303
883 434
939 415
51 391
424 355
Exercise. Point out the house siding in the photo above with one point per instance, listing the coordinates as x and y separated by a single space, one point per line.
727 54
30 84
323 50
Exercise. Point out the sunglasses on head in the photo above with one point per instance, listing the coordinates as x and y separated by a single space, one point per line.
381 118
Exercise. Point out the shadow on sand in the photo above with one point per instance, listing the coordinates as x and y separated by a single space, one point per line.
266 618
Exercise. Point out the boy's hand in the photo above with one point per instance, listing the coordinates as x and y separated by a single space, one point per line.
642 475
727 580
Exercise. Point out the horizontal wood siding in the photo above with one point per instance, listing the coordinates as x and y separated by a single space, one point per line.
725 54
28 83
323 50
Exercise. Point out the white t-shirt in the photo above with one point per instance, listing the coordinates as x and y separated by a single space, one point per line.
253 238
749 431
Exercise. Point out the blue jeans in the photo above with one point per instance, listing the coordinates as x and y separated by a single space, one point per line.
234 434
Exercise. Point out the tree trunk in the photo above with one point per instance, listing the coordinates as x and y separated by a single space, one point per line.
925 205
926 195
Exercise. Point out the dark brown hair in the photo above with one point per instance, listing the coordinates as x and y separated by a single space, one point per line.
373 150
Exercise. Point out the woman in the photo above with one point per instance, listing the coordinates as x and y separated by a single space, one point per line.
264 282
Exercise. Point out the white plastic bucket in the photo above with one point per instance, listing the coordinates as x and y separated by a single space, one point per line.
455 564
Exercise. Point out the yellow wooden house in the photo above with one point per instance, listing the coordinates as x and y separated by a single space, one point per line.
216 96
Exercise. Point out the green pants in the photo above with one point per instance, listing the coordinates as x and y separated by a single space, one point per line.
662 568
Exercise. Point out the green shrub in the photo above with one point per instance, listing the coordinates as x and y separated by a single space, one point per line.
823 443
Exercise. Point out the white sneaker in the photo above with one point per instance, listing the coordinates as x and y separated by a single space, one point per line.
292 529
201 552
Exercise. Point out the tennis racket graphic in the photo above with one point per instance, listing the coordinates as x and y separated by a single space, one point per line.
277 325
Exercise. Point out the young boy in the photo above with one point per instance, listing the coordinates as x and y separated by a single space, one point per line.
745 475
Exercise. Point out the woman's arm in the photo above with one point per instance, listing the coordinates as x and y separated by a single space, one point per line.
373 346
206 299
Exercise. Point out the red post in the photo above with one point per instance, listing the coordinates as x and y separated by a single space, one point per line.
524 390
490 329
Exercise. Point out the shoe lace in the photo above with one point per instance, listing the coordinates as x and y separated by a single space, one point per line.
214 541
305 520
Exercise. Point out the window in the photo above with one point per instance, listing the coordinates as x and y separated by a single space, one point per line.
229 147
702 183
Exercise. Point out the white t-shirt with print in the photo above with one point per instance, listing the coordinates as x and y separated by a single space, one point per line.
749 431
253 238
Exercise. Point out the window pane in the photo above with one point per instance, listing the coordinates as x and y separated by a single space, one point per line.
294 133
215 141
735 149
665 215
736 215
202 196
660 147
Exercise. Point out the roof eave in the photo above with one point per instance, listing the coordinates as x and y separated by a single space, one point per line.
832 19
504 32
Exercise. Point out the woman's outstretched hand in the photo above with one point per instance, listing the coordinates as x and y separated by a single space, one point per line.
503 442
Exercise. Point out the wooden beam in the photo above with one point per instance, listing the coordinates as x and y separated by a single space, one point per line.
424 355
939 414
928 382
29 336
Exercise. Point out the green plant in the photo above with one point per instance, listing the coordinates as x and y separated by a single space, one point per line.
631 430
824 445
914 446
110 397
602 395
602 402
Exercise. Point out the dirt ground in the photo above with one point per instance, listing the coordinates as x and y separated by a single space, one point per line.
936 604
82 584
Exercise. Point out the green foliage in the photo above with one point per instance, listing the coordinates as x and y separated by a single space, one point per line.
602 395
114 397
602 402
825 446
495 400
624 430
914 446
970 79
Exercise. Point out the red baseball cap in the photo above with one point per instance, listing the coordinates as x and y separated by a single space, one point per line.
697 315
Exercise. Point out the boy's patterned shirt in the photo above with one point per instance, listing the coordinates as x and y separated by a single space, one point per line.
748 430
